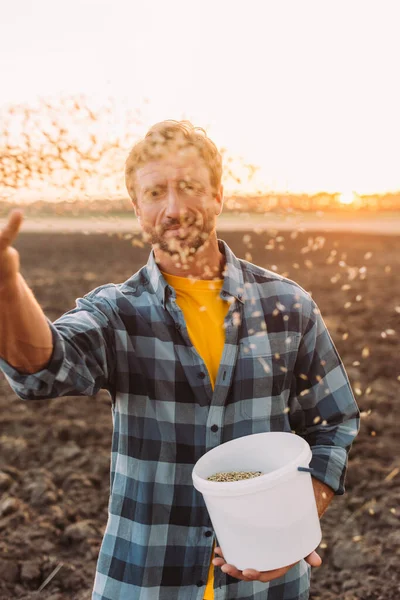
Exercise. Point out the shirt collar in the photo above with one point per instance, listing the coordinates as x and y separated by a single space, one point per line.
233 286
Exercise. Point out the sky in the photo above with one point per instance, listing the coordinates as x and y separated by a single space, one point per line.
306 90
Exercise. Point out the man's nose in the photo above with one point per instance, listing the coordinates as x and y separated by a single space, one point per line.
176 207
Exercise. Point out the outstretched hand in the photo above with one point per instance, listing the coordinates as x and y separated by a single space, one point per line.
313 559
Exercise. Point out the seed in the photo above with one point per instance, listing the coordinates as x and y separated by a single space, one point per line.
234 476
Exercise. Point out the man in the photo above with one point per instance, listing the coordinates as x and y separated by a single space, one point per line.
195 349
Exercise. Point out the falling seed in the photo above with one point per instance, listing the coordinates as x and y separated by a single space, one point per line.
303 376
316 419
264 365
256 313
346 287
357 538
390 332
371 511
368 255
356 363
345 336
393 511
388 269
324 422
286 409
286 317
392 474
365 352
358 391
373 433
304 392
347 305
358 298
323 545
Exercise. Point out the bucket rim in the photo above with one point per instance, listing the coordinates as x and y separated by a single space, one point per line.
262 482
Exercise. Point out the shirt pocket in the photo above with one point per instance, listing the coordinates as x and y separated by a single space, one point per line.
266 364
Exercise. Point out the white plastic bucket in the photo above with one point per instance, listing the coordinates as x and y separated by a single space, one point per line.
269 521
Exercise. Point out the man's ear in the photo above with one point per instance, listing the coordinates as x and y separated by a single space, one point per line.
219 197
136 209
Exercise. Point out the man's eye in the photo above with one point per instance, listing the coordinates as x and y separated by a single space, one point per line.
153 194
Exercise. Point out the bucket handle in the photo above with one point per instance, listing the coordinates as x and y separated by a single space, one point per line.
306 469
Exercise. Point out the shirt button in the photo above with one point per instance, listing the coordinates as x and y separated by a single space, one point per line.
214 427
177 326
199 583
208 533
201 375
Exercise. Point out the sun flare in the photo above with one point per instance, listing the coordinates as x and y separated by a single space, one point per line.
347 197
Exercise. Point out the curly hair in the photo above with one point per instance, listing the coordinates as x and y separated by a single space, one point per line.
173 136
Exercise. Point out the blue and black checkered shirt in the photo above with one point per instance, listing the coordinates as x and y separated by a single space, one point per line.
279 371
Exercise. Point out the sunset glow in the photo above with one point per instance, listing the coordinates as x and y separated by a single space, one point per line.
347 197
267 83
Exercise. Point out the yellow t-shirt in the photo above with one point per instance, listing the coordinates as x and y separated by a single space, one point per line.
204 313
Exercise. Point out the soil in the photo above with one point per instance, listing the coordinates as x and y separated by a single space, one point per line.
55 454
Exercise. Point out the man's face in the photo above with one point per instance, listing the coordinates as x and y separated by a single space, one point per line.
176 206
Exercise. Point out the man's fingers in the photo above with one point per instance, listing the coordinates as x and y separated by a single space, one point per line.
10 231
314 559
234 572
218 551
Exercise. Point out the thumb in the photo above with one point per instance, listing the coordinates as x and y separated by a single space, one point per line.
314 559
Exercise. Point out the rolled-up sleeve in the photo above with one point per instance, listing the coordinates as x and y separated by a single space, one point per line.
323 409
82 359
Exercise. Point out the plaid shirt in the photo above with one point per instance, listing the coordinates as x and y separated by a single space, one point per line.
279 372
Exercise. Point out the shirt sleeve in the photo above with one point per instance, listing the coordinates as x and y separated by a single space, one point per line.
323 409
82 359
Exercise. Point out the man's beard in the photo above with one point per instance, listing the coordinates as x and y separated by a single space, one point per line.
177 245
